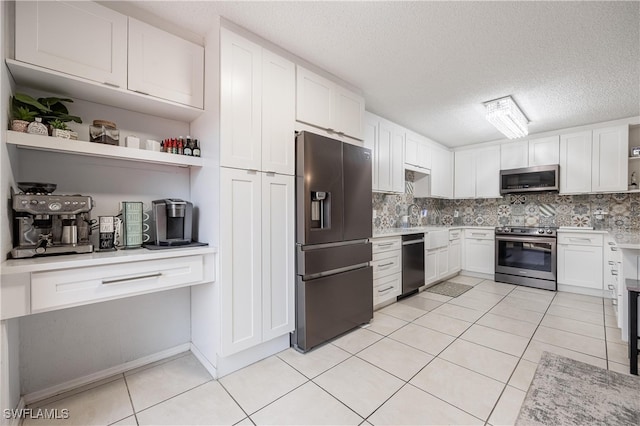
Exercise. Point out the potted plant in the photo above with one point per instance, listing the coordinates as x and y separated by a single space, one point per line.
27 108
59 129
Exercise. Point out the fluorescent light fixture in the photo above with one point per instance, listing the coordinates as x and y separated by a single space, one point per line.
505 115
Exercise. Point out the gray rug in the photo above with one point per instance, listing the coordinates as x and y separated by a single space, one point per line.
569 392
450 289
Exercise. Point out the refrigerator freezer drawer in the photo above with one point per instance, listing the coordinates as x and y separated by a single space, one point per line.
330 306
313 260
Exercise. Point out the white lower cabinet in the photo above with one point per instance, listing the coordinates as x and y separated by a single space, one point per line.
387 270
436 264
580 258
256 258
455 251
479 251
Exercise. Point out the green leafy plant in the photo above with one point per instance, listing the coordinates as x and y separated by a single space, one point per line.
58 124
49 109
23 113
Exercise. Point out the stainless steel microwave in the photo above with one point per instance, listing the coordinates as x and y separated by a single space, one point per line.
530 179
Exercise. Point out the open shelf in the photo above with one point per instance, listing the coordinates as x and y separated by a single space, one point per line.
69 85
92 149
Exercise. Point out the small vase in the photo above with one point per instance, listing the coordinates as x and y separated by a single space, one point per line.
37 128
19 125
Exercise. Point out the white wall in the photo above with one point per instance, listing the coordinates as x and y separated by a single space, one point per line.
62 345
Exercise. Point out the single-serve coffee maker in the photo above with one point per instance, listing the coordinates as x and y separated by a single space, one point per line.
47 224
173 222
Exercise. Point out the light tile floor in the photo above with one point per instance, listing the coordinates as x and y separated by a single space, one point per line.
429 359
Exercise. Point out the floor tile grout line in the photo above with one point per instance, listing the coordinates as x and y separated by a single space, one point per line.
133 408
171 397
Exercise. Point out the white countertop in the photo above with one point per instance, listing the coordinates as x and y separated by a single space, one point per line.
394 232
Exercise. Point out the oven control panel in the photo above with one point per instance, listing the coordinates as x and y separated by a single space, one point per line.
527 230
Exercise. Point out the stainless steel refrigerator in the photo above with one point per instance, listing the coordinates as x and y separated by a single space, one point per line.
334 285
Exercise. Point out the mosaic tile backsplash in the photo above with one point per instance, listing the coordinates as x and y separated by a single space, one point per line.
619 213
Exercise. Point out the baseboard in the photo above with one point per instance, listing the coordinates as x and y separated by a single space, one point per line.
477 275
103 374
249 356
583 290
204 361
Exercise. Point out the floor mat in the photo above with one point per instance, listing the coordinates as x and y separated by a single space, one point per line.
569 392
450 289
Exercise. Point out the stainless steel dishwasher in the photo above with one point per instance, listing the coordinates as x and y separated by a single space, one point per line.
412 263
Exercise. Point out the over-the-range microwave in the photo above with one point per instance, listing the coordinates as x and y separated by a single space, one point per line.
530 179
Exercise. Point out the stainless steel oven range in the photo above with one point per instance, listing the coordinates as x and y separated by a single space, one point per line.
526 256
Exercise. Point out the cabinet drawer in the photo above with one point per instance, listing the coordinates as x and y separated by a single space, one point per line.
479 234
455 234
580 239
386 263
80 286
386 288
381 245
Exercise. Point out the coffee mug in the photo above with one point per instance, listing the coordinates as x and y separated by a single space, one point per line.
134 227
108 227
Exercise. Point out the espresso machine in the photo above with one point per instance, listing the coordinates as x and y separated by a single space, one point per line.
172 221
47 224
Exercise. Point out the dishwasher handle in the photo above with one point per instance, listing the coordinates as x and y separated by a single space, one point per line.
406 243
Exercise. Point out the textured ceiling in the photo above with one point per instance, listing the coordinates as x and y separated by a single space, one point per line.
429 65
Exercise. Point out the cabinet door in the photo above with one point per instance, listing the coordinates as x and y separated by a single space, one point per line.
443 262
278 114
385 156
278 242
348 114
424 156
544 151
397 160
609 162
240 102
514 155
488 172
575 163
479 256
371 142
580 266
465 174
441 173
78 38
454 257
411 149
430 266
240 260
315 97
165 66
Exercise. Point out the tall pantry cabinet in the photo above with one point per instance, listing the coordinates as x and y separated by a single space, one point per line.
257 194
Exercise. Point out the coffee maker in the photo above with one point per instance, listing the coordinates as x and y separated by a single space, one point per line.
173 222
47 224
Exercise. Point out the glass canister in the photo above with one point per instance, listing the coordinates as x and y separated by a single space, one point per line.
103 131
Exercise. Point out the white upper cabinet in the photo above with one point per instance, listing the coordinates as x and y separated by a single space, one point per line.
163 65
514 155
477 173
83 39
534 152
465 174
575 162
322 103
417 152
386 142
609 164
544 151
240 102
278 114
441 179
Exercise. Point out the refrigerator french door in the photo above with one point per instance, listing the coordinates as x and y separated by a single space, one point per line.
334 284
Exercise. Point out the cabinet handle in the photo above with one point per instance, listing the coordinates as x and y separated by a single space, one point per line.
610 287
141 92
479 234
270 172
106 83
614 302
384 244
580 239
612 243
385 264
330 130
252 170
611 262
139 277
614 248
614 272
385 289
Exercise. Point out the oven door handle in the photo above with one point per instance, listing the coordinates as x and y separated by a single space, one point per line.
527 239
